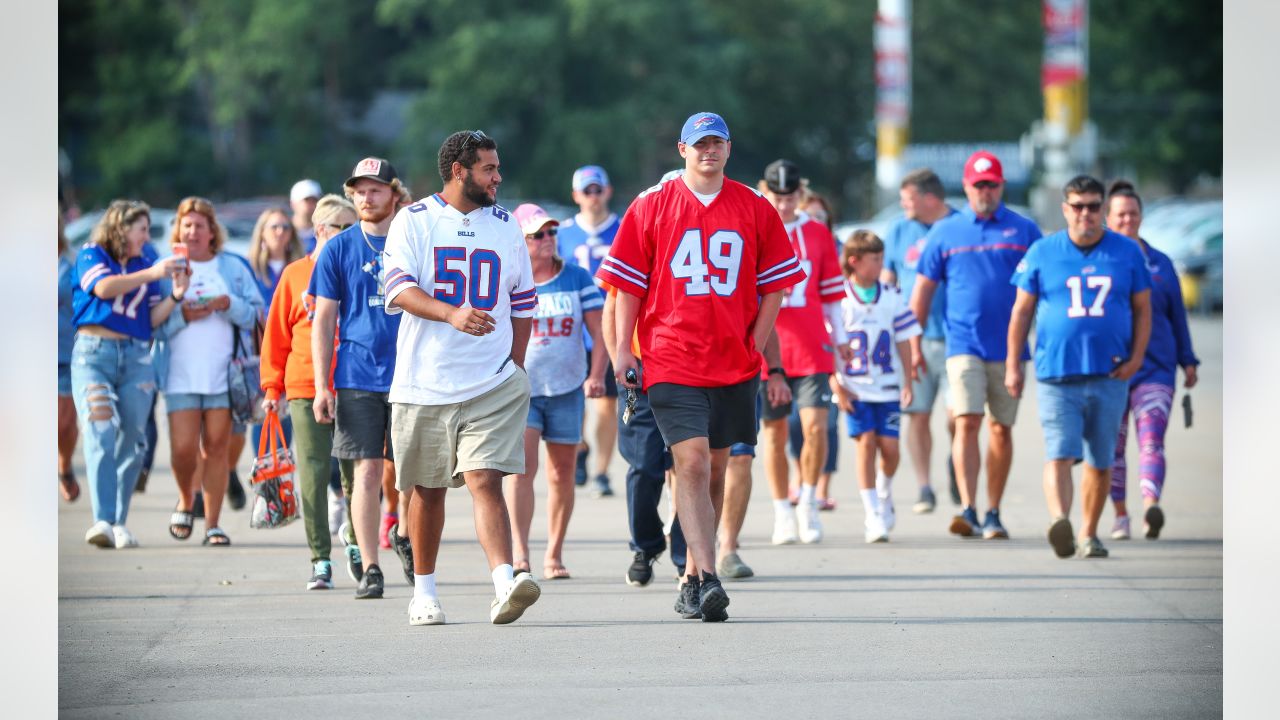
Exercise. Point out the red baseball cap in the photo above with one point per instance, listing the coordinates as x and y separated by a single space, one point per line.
982 165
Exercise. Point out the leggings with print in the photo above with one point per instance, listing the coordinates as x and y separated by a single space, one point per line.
1150 404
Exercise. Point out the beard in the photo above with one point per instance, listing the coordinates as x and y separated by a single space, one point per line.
475 193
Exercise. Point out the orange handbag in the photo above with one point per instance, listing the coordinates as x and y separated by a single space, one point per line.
274 502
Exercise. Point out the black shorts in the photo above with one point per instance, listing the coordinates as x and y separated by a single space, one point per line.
724 415
806 391
610 384
362 425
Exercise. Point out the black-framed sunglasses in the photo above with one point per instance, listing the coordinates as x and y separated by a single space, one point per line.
549 232
593 190
1095 206
339 228
986 185
475 136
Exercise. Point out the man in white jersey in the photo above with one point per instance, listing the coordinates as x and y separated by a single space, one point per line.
458 266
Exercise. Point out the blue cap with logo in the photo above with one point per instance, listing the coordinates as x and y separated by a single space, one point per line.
700 125
588 175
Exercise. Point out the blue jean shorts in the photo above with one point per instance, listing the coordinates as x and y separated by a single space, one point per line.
174 402
1081 418
558 417
881 418
64 379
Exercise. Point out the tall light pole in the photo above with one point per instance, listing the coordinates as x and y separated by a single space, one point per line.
893 93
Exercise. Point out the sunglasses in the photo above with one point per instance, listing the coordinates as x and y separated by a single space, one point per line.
986 185
475 136
549 232
593 190
344 226
1079 207
279 226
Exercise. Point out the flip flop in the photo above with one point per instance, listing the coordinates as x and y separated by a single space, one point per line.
68 486
552 572
215 536
180 519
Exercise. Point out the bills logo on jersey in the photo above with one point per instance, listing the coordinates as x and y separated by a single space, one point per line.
1087 269
704 121
1010 232
368 166
914 252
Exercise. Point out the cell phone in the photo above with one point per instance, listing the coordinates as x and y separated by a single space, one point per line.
1186 411
180 251
630 410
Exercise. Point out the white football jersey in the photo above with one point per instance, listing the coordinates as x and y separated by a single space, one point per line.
478 260
875 328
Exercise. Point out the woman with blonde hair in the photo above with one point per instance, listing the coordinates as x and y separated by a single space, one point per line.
117 296
273 245
191 359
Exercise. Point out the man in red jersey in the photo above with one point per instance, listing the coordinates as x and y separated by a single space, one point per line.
701 262
810 332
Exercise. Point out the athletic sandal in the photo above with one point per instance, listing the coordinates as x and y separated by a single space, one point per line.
215 536
68 486
181 520
555 572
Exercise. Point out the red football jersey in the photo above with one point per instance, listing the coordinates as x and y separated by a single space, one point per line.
802 333
699 271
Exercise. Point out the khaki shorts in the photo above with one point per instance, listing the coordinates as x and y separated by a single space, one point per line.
435 444
975 384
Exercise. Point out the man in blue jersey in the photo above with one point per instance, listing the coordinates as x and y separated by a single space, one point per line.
585 240
1090 293
974 252
349 290
923 201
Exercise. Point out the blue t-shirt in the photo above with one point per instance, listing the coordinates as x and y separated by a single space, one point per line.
128 313
975 257
349 270
903 246
576 245
1084 319
66 330
1170 345
555 361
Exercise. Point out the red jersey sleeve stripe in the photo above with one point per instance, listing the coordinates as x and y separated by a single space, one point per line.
780 271
622 271
785 264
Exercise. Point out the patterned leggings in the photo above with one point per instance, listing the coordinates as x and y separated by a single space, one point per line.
1150 404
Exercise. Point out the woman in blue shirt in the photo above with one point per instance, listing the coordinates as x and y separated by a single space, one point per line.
117 297
67 435
1151 389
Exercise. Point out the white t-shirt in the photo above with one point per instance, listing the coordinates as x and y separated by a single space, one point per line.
199 353
875 373
477 260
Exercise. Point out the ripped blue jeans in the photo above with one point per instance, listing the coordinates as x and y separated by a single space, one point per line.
113 383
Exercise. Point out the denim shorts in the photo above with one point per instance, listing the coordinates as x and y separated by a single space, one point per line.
174 402
558 417
1081 418
881 418
64 379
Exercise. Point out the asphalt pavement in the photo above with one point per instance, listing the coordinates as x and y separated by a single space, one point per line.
926 625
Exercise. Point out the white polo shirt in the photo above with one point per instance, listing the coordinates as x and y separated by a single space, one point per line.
475 260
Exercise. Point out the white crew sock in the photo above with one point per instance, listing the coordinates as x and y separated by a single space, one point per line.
424 586
870 503
782 508
807 495
503 577
884 484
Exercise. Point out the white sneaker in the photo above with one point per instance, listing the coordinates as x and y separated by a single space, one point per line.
522 593
124 538
887 516
425 611
784 529
100 534
876 532
810 525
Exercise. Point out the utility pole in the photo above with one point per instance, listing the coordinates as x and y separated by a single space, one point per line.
893 95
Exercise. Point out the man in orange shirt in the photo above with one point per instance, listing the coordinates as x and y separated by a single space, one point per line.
287 367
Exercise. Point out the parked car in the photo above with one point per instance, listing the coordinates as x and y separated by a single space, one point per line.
1190 233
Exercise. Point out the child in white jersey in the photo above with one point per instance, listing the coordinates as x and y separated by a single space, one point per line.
871 385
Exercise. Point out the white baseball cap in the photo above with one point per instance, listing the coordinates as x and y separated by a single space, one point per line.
304 189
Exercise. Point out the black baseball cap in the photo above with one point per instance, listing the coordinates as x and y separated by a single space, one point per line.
374 169
782 177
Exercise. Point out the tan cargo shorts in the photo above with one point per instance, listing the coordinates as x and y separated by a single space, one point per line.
976 384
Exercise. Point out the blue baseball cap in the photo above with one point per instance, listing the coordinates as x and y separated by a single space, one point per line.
700 125
588 175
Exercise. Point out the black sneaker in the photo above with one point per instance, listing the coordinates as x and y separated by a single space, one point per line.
955 489
712 599
404 551
371 584
141 486
687 602
197 507
580 469
235 491
641 571
600 487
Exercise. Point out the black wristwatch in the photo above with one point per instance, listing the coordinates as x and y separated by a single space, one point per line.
175 298
778 371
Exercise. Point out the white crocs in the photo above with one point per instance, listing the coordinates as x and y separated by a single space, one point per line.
425 611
